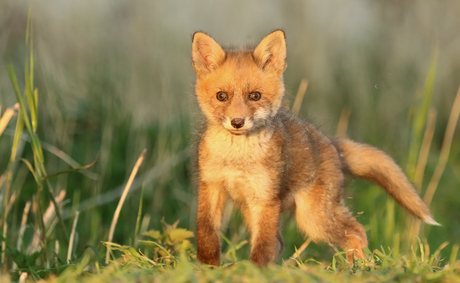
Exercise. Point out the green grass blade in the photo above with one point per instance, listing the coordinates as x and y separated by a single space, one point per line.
51 197
17 137
231 249
29 19
72 170
31 50
159 246
33 138
29 73
422 114
30 99
333 266
435 256
139 214
36 99
31 169
14 81
390 221
14 149
422 250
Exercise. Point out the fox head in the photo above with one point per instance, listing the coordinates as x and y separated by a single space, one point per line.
240 90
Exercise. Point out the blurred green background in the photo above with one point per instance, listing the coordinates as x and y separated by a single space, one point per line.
115 77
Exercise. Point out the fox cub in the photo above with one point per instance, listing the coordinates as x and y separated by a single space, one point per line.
268 161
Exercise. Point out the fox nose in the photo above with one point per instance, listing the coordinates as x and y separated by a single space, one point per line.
237 123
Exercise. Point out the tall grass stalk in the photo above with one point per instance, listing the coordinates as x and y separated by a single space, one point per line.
301 249
414 224
421 115
342 126
443 157
56 252
425 149
445 149
139 216
72 237
6 117
299 97
23 277
28 106
416 142
9 174
22 229
38 154
122 200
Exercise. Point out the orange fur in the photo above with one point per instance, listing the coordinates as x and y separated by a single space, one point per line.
268 161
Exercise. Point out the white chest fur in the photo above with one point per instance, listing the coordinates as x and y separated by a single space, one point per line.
238 164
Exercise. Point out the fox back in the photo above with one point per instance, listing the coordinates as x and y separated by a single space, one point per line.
268 161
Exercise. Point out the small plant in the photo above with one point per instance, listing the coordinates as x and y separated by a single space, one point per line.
169 243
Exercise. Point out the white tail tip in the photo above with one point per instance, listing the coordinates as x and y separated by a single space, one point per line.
431 221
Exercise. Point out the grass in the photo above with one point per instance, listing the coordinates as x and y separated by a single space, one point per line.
174 261
60 220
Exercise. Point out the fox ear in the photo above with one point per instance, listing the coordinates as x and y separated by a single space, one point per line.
271 52
207 54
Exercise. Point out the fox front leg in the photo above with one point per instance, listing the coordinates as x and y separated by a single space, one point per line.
211 200
266 242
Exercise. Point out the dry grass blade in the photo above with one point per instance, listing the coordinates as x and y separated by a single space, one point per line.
226 215
342 126
25 215
146 178
301 249
23 277
299 97
9 173
22 229
4 222
10 202
47 219
5 119
56 252
122 200
51 211
421 113
3 178
72 237
445 149
425 149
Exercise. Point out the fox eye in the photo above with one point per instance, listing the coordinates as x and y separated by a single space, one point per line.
221 96
254 96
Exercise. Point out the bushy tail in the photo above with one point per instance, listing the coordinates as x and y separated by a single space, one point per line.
369 163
